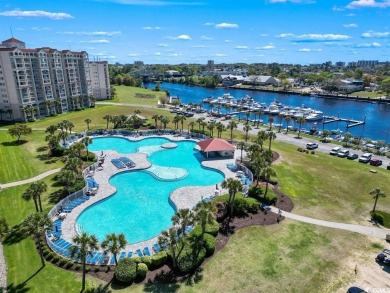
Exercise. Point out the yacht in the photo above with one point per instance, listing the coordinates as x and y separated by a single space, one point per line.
314 116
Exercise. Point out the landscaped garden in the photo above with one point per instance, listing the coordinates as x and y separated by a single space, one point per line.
290 256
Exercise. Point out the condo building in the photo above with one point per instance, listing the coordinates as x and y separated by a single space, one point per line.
44 81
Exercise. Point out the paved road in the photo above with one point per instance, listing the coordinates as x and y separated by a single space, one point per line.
30 180
369 231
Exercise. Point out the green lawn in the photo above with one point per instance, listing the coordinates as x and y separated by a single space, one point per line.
134 95
328 187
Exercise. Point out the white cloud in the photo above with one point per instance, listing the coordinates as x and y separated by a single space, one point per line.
228 41
267 47
151 28
163 45
368 4
309 50
292 1
263 35
199 46
133 55
350 25
206 38
371 34
335 8
209 24
36 13
102 41
220 55
369 45
96 33
174 55
226 25
181 37
314 37
241 47
157 54
153 2
40 29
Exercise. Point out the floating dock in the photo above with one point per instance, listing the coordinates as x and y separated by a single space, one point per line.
350 122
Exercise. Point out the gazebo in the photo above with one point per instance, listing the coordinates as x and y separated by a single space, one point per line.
216 145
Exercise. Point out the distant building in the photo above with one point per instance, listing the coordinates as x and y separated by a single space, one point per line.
340 64
210 63
100 80
367 63
172 73
230 79
350 85
261 80
139 63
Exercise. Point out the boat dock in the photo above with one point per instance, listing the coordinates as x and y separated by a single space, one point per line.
350 122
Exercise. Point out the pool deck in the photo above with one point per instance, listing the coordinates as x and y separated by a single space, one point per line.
185 197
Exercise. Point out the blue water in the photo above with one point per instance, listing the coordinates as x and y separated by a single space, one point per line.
140 208
377 115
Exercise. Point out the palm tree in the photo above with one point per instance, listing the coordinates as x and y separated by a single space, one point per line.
300 120
165 121
191 124
170 238
281 116
261 113
347 138
204 124
34 191
233 186
176 120
87 141
247 128
270 121
34 226
211 127
220 128
108 119
156 118
247 114
77 147
51 129
376 193
88 121
199 121
114 244
271 136
267 173
68 178
241 145
182 119
183 218
231 125
84 246
73 164
288 119
204 214
261 138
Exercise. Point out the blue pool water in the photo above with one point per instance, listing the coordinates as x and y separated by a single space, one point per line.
140 208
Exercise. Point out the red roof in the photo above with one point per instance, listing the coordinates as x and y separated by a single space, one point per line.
215 145
13 40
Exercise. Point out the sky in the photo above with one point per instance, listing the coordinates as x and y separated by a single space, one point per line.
179 31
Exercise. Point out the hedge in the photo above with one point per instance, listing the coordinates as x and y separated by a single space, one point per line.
189 260
211 229
136 259
158 259
142 270
126 270
209 243
242 206
146 260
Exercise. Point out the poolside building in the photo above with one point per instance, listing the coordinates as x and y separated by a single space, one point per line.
216 147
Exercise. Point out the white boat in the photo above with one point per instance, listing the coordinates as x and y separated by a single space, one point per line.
314 116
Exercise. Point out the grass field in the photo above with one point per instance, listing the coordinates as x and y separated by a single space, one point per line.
132 95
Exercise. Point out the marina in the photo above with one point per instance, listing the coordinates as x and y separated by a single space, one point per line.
375 115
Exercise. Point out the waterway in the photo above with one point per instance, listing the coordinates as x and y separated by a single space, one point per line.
377 126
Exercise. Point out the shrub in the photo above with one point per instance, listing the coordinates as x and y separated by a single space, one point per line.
211 229
45 251
377 218
58 151
146 260
50 255
189 260
88 268
136 259
96 269
63 261
55 259
158 259
69 264
126 270
313 152
77 267
209 243
270 200
142 270
255 192
91 157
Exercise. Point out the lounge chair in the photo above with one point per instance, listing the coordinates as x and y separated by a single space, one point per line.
139 253
146 251
122 255
156 248
130 254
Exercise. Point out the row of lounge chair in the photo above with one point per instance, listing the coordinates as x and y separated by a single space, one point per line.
123 162
74 203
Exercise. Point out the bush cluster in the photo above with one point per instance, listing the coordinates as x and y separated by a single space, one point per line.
146 260
377 218
158 259
189 260
58 151
126 270
142 270
209 243
210 229
91 157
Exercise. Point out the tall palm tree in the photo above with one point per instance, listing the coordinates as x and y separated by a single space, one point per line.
288 119
241 145
73 164
204 214
281 117
247 128
220 128
271 136
51 129
261 113
114 244
267 173
68 178
183 218
247 114
231 125
84 246
170 238
191 124
78 147
87 141
156 118
108 119
34 226
211 127
176 121
300 120
261 137
182 119
204 124
34 191
233 186
270 121
376 193
88 121
199 121
165 121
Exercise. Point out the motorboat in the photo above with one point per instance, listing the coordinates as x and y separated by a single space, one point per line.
314 116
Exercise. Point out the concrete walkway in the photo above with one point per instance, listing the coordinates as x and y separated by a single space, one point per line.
30 180
365 230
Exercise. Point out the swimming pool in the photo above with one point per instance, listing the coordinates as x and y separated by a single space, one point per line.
141 208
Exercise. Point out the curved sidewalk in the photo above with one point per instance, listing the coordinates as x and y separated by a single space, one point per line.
369 231
30 180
